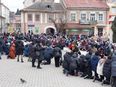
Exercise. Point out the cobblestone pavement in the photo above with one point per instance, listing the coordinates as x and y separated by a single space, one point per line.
11 71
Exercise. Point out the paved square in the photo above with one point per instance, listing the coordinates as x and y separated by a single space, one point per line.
11 71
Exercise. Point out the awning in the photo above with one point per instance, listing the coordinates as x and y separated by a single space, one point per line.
112 18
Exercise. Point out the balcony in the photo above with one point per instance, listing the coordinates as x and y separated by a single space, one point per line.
90 22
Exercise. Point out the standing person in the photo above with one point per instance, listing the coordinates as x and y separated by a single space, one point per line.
94 62
33 53
57 55
19 50
39 53
113 69
107 70
48 54
100 67
0 49
12 52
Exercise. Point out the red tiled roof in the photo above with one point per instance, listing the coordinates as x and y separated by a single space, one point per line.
86 4
77 26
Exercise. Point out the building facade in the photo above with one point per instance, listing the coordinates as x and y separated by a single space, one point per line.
15 21
88 17
112 15
4 17
37 17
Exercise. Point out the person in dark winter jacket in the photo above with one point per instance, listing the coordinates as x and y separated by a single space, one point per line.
32 53
82 65
88 66
94 62
48 54
113 69
66 62
0 49
19 49
26 50
57 55
39 50
107 70
73 66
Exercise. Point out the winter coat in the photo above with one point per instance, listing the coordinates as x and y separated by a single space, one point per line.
73 62
19 48
1 47
94 62
113 65
32 48
107 68
48 53
26 50
57 52
39 51
12 52
65 49
67 61
100 66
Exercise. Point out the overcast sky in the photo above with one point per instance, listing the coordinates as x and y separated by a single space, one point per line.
14 4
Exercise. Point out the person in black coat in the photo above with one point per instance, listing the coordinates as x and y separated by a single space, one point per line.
48 54
113 69
107 70
66 62
32 53
57 55
88 66
94 62
19 49
39 50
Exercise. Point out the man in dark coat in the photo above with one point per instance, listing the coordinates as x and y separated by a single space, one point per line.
0 49
57 55
39 53
48 54
88 66
94 62
66 62
113 69
107 70
32 53
19 49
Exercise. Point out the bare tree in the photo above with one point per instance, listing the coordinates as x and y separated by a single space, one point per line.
60 26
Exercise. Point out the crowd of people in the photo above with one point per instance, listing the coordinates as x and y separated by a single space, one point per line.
91 58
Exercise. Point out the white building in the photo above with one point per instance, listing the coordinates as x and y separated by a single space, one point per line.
4 17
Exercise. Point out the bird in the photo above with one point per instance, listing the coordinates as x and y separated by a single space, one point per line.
22 80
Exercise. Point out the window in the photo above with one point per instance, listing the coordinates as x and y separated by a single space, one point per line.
83 16
50 16
73 16
29 17
37 17
113 10
92 17
101 17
